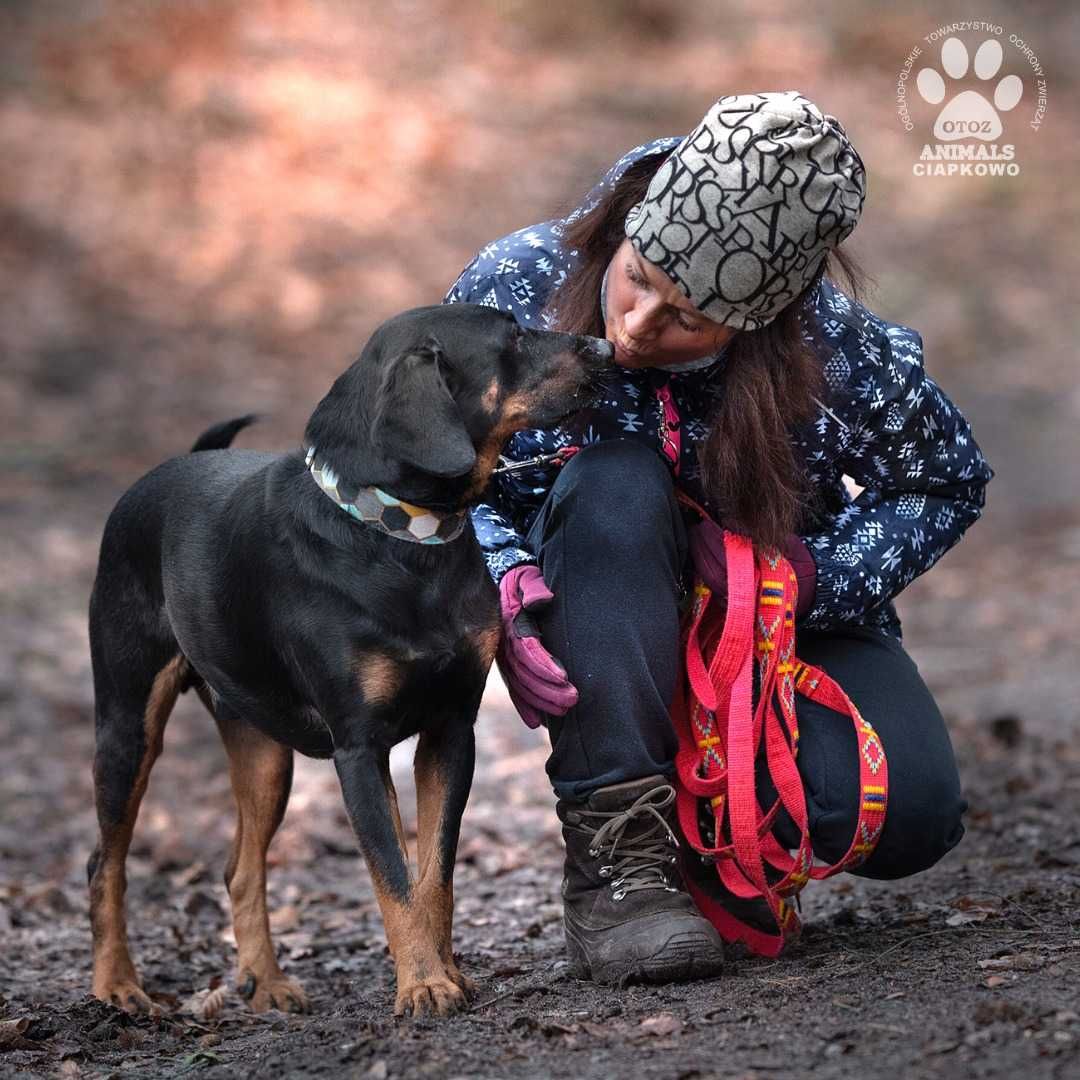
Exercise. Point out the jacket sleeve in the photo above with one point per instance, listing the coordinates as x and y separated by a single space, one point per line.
924 480
504 547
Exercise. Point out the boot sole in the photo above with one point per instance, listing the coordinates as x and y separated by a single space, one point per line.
682 958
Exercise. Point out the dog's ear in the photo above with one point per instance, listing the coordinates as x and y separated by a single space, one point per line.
416 419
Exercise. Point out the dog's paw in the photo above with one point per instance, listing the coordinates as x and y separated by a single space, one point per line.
467 985
128 995
437 996
272 992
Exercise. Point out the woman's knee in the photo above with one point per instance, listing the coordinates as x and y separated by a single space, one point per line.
619 492
923 819
921 827
925 805
609 467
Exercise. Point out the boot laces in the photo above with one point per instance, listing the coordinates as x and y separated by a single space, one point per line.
640 860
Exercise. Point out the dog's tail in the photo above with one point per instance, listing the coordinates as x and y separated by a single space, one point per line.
221 435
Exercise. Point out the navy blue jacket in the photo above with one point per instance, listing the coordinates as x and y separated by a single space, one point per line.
885 423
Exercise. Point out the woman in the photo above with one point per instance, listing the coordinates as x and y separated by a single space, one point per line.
749 379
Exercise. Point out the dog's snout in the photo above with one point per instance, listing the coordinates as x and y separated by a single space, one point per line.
600 348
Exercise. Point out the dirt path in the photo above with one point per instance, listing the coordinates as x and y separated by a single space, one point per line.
968 969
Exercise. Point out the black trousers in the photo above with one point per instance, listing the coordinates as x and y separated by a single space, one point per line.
611 543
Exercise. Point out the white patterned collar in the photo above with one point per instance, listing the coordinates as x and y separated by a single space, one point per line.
400 519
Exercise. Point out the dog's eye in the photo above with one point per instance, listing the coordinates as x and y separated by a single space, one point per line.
449 377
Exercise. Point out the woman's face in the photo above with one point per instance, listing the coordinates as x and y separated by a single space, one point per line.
649 321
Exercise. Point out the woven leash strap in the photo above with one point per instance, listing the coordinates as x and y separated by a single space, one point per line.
721 730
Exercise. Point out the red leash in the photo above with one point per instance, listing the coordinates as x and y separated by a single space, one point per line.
721 731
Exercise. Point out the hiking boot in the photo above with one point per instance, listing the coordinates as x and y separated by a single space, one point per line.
626 912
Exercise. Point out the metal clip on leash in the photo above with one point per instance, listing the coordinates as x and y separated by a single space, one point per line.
559 457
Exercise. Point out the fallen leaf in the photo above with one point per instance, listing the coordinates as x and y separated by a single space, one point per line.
975 903
661 1024
11 1034
200 1058
1024 961
963 918
556 1027
284 918
597 1031
189 875
206 1004
941 1046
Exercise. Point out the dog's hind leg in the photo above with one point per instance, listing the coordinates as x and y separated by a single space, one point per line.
133 696
443 768
261 773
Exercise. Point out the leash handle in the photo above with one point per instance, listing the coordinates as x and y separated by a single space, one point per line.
721 732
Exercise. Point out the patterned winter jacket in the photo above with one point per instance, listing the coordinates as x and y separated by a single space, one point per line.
885 424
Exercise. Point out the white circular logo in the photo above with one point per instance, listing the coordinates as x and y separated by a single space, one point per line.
966 92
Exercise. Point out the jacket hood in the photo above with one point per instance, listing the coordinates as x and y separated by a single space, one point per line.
662 145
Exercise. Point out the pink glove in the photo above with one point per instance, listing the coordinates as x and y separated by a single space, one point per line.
710 561
536 680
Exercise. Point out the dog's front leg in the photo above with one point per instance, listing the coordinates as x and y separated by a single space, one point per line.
423 984
443 768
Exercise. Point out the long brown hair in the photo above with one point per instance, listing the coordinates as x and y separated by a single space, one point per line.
752 477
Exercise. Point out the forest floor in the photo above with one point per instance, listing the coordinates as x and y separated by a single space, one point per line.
968 969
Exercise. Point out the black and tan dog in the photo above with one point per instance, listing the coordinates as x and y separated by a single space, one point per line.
312 611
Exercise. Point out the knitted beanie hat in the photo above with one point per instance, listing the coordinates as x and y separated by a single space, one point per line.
746 207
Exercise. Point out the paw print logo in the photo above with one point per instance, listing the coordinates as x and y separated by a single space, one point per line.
969 115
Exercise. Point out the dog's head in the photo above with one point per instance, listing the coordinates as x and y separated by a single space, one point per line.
438 390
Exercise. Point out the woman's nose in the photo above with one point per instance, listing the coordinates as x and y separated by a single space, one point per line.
640 321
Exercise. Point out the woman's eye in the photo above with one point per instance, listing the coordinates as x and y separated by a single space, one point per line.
634 277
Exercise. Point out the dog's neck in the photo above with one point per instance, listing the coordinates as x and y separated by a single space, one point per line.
396 517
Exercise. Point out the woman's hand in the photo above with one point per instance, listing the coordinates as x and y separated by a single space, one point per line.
536 681
710 562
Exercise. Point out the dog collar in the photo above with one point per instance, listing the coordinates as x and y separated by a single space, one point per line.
400 519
